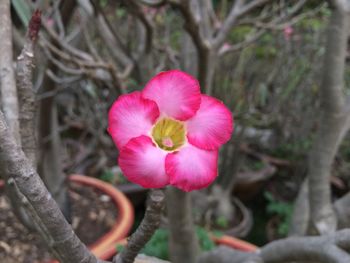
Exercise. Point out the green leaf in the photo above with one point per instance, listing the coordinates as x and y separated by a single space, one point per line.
107 176
22 10
120 248
221 221
205 241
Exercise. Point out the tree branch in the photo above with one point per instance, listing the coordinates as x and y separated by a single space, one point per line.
328 249
145 231
238 9
25 64
8 91
58 233
332 121
321 249
183 243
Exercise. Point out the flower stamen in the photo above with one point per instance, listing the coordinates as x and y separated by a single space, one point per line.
169 134
167 142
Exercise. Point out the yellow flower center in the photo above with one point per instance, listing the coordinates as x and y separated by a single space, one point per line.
169 134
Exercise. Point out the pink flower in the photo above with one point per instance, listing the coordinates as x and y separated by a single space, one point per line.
170 133
288 31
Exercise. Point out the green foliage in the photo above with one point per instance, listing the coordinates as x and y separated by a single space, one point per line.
120 13
266 47
121 179
257 165
217 233
311 23
113 177
263 94
205 242
120 248
22 10
296 76
239 33
158 244
265 52
293 150
221 221
282 209
103 3
107 176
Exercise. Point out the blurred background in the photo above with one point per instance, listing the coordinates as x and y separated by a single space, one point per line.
264 60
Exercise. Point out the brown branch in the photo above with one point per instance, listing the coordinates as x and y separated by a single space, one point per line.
145 231
27 112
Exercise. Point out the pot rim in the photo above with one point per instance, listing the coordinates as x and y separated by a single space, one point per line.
225 240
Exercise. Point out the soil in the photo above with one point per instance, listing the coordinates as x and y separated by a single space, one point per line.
93 214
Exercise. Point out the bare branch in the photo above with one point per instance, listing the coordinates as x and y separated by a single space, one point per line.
191 25
145 231
251 5
332 121
325 249
58 233
239 46
8 91
136 10
321 249
25 64
183 242
237 10
341 207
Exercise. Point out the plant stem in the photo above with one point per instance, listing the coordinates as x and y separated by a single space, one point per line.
145 231
183 242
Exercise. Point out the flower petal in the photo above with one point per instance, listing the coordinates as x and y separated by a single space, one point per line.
191 168
143 163
212 125
176 93
131 116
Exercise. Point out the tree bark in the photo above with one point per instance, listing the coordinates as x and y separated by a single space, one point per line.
58 234
332 121
9 100
183 242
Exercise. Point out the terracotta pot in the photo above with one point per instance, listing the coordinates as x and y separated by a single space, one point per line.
229 241
234 243
124 220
